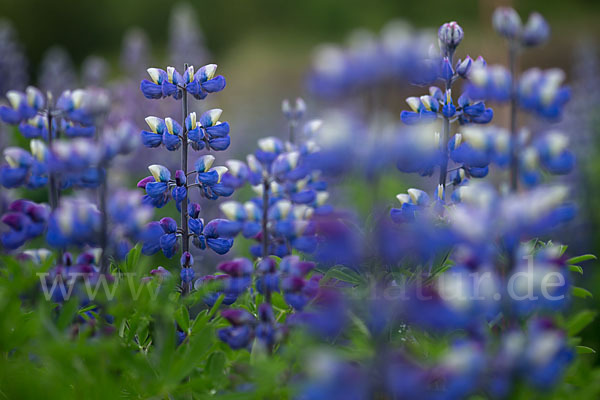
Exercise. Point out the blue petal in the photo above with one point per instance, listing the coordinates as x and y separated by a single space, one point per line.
304 197
220 144
151 90
151 139
219 130
151 238
222 190
214 85
196 135
168 244
156 189
196 225
209 178
219 245
172 142
9 115
12 177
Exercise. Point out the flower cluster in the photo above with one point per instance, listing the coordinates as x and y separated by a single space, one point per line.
206 132
171 83
26 221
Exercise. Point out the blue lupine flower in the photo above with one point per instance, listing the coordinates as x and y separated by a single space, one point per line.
245 328
25 169
325 316
240 273
533 290
507 22
296 112
244 218
297 290
75 222
154 137
536 31
26 221
489 83
464 66
554 153
23 106
77 106
187 272
450 35
159 86
156 186
71 129
161 235
419 151
171 135
37 127
241 333
218 285
129 216
547 354
541 92
268 278
334 379
77 162
209 179
424 109
237 174
410 204
471 148
209 235
462 369
208 131
207 81
268 149
169 83
474 112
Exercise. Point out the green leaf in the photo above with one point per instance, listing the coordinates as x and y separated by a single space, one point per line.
576 268
582 258
215 366
67 314
581 292
182 316
278 301
343 274
584 350
132 258
580 321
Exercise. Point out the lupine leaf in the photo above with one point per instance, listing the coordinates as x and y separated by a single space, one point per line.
584 350
582 258
182 316
216 364
576 268
581 292
580 321
343 274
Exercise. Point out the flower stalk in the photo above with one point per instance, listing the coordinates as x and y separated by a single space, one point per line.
514 156
52 183
185 232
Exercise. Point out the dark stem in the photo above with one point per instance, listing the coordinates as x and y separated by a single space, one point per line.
265 216
185 233
102 191
514 155
445 134
52 183
292 131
